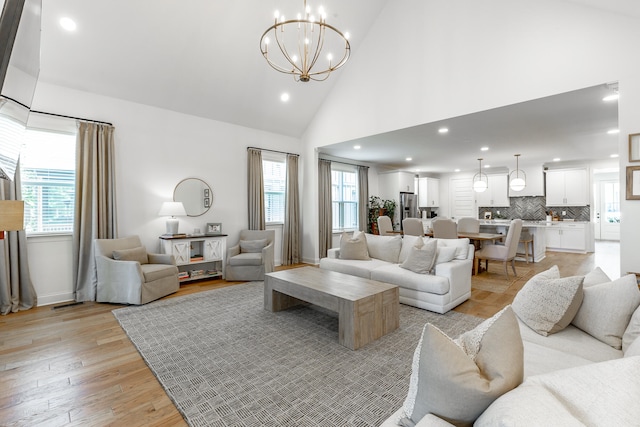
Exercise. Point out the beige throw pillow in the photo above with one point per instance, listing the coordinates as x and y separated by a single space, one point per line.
134 254
252 246
386 248
607 309
422 257
457 380
354 247
595 277
548 305
633 330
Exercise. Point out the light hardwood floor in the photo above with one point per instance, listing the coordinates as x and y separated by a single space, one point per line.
75 366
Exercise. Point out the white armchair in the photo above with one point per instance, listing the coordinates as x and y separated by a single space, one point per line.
127 274
252 257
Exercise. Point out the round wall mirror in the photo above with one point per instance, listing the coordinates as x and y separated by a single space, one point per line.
195 195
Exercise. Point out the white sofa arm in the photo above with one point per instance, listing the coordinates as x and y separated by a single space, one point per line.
459 274
333 253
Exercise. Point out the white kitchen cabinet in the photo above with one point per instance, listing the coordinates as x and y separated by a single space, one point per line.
567 187
567 237
534 182
390 184
496 195
428 192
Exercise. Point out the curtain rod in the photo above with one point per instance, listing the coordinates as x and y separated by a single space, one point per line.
54 114
329 158
273 151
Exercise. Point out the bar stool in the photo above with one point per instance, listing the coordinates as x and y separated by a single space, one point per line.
525 239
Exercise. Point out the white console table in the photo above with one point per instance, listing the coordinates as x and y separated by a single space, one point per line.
200 257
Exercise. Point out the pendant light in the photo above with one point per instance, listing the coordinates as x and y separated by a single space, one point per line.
480 180
517 177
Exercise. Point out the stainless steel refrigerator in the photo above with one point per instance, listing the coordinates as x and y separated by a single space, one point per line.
408 206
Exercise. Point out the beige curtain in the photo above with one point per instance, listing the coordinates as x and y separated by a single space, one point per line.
363 198
16 289
325 217
95 204
291 233
256 189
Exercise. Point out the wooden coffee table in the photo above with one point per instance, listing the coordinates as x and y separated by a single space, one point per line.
366 309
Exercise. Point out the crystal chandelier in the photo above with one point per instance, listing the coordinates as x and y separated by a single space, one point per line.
301 42
517 177
480 180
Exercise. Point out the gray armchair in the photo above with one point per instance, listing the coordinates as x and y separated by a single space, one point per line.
252 257
127 274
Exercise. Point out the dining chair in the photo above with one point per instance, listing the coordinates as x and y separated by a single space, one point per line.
384 225
413 227
501 252
468 224
444 229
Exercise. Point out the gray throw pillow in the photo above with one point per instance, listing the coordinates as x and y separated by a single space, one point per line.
422 257
252 246
134 254
457 380
354 247
548 305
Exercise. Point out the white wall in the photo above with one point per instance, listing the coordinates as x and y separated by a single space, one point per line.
427 60
155 149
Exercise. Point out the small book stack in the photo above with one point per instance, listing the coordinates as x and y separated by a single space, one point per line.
196 273
183 275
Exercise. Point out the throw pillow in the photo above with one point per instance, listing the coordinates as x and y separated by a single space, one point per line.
408 242
386 248
633 349
633 330
134 254
354 247
595 277
607 309
445 254
422 257
457 380
252 246
548 305
461 246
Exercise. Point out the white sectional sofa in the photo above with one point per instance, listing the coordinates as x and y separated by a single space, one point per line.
573 377
446 287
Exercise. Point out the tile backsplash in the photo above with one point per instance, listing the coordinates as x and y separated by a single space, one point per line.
533 208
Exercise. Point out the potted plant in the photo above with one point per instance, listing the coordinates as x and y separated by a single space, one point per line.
379 207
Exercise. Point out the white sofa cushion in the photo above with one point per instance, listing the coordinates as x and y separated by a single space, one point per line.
475 369
595 277
547 305
396 275
386 248
600 394
607 309
409 242
633 349
353 267
461 246
633 330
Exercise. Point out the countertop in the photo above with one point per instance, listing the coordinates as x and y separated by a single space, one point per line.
541 223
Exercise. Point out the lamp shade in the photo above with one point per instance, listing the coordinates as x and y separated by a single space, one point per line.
172 209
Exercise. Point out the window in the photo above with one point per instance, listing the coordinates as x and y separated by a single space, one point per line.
344 197
47 165
275 182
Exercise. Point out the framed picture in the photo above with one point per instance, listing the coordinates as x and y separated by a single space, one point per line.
487 215
214 228
633 182
634 147
207 203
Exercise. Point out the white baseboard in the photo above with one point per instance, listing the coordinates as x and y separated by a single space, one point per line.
55 298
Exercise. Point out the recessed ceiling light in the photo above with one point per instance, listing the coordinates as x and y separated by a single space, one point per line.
443 130
284 97
556 159
356 147
456 170
487 166
614 156
613 131
613 97
68 24
408 159
484 149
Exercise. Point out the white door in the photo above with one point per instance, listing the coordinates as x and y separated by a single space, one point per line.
607 214
462 198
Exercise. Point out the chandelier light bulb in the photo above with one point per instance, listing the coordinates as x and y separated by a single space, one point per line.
276 14
479 186
480 180
517 177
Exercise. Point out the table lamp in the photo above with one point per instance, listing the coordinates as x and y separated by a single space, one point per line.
172 209
11 216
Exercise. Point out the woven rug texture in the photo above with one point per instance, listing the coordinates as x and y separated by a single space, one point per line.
225 361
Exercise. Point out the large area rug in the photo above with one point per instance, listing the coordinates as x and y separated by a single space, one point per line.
225 361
